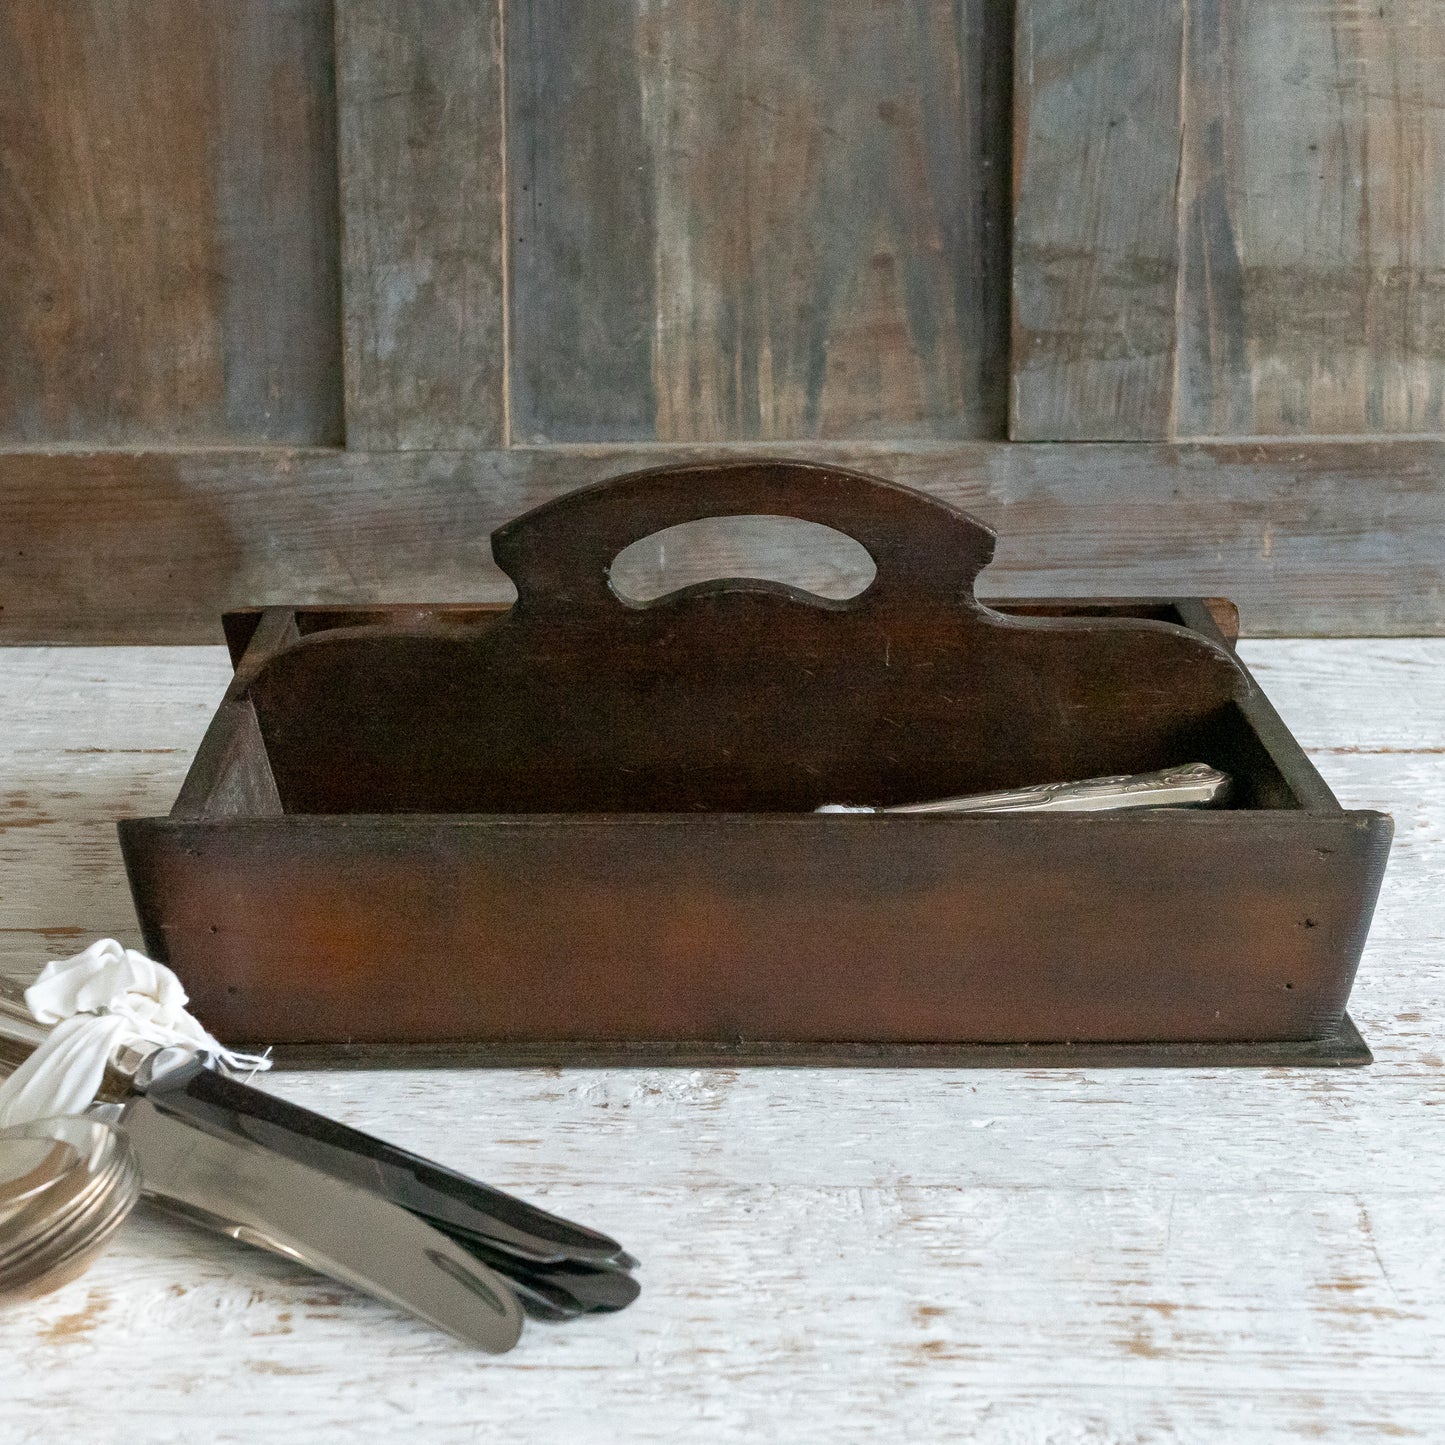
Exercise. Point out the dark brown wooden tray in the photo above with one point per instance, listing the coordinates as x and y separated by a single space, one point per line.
580 828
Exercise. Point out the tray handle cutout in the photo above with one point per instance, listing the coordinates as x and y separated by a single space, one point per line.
805 560
560 555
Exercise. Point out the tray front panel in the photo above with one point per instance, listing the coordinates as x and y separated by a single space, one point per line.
1109 928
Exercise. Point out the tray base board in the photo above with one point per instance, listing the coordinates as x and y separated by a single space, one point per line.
1342 1049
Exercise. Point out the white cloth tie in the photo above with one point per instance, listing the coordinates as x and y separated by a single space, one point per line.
97 1003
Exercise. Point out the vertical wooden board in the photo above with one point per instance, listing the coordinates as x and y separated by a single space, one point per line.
422 203
1314 241
168 222
758 221
275 166
580 224
1256 249
1097 94
1211 378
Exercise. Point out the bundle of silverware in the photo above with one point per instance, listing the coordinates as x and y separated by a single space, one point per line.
457 1253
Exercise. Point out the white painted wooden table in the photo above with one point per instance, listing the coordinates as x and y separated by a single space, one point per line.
1075 1256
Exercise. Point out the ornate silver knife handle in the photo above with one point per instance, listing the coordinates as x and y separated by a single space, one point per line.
1189 785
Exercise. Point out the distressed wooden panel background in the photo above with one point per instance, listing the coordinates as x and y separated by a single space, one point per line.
1230 218
302 297
168 222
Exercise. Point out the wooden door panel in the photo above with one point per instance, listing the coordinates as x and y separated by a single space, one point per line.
422 199
168 222
757 221
1230 219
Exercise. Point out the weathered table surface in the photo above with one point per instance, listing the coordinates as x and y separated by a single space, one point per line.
1074 1256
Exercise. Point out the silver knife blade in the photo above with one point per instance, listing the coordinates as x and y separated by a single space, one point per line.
194 1093
354 1236
459 1206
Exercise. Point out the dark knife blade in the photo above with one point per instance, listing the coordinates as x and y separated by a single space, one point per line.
570 1288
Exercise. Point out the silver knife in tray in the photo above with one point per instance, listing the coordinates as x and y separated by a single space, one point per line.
1189 785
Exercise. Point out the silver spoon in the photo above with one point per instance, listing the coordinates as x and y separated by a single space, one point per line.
66 1185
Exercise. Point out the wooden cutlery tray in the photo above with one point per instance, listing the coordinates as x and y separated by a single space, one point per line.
582 828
